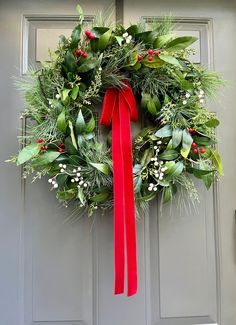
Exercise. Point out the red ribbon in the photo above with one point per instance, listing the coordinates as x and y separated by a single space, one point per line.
119 106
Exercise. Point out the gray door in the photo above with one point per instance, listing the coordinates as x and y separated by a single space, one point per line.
57 273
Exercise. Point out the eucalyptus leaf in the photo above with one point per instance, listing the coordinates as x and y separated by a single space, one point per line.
169 155
176 137
164 132
45 158
28 152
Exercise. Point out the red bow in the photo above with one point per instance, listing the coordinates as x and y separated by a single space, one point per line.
119 106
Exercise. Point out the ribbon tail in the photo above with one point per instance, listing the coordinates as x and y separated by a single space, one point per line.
130 222
119 202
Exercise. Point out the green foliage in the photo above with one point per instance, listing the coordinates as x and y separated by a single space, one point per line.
62 95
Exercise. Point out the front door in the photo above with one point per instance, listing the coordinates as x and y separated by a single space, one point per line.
61 273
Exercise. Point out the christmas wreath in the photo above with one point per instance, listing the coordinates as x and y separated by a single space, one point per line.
125 67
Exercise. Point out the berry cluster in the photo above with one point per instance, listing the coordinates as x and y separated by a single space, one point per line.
127 37
195 147
90 35
80 53
150 53
53 182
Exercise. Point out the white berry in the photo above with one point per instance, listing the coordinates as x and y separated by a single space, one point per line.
57 96
60 165
125 35
184 102
64 166
50 180
62 170
72 181
55 185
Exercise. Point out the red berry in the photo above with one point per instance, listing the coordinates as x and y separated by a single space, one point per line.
84 55
88 33
40 140
140 57
156 53
191 130
92 36
78 52
195 150
150 58
202 150
194 144
150 51
43 148
60 150
61 145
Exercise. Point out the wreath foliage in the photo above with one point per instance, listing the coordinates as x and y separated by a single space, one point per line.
177 139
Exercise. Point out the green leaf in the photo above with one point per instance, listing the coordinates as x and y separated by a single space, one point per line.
80 125
45 158
164 132
154 64
79 10
66 195
104 40
151 107
169 155
180 43
162 40
72 135
216 159
75 36
74 92
167 194
212 123
186 143
149 197
176 137
137 184
61 179
104 168
145 98
65 95
61 121
146 158
28 153
175 171
69 147
119 39
99 31
101 197
90 125
132 30
169 59
70 62
88 65
81 196
204 141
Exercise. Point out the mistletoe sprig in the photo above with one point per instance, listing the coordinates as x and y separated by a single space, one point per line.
63 142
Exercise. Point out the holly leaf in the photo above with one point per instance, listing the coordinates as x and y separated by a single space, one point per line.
28 152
